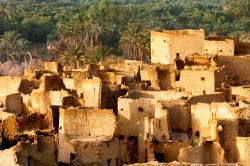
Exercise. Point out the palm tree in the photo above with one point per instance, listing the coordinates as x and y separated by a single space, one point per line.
59 29
92 33
4 11
99 52
22 44
74 55
97 12
85 32
240 8
133 42
14 46
10 39
214 16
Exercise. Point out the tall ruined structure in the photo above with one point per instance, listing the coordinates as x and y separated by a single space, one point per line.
190 106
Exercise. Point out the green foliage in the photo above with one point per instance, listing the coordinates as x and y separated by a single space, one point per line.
74 55
14 47
4 11
120 25
99 52
133 42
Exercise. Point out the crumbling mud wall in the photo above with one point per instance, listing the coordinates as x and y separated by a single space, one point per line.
128 149
243 150
41 101
129 67
159 76
166 46
46 150
166 76
152 127
51 82
244 120
207 153
239 93
227 138
216 122
207 98
221 47
14 126
137 75
234 66
87 122
91 90
8 157
40 152
83 128
54 67
201 82
159 95
69 83
203 121
179 115
108 78
28 84
13 103
96 151
161 130
145 132
206 119
128 112
9 85
169 151
155 119
77 76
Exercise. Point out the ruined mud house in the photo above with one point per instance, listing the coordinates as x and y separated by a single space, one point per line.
189 106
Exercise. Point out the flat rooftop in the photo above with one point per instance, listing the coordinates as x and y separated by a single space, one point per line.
181 31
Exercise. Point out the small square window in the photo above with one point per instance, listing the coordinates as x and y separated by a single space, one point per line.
177 77
140 109
202 78
177 55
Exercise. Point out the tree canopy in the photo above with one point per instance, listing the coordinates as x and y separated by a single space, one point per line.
120 26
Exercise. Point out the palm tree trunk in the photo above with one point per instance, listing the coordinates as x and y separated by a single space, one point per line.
77 64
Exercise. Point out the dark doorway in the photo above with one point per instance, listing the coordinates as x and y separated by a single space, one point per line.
55 114
159 157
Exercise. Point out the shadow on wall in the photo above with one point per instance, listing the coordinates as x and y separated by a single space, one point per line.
129 114
207 153
179 116
209 98
227 138
139 94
